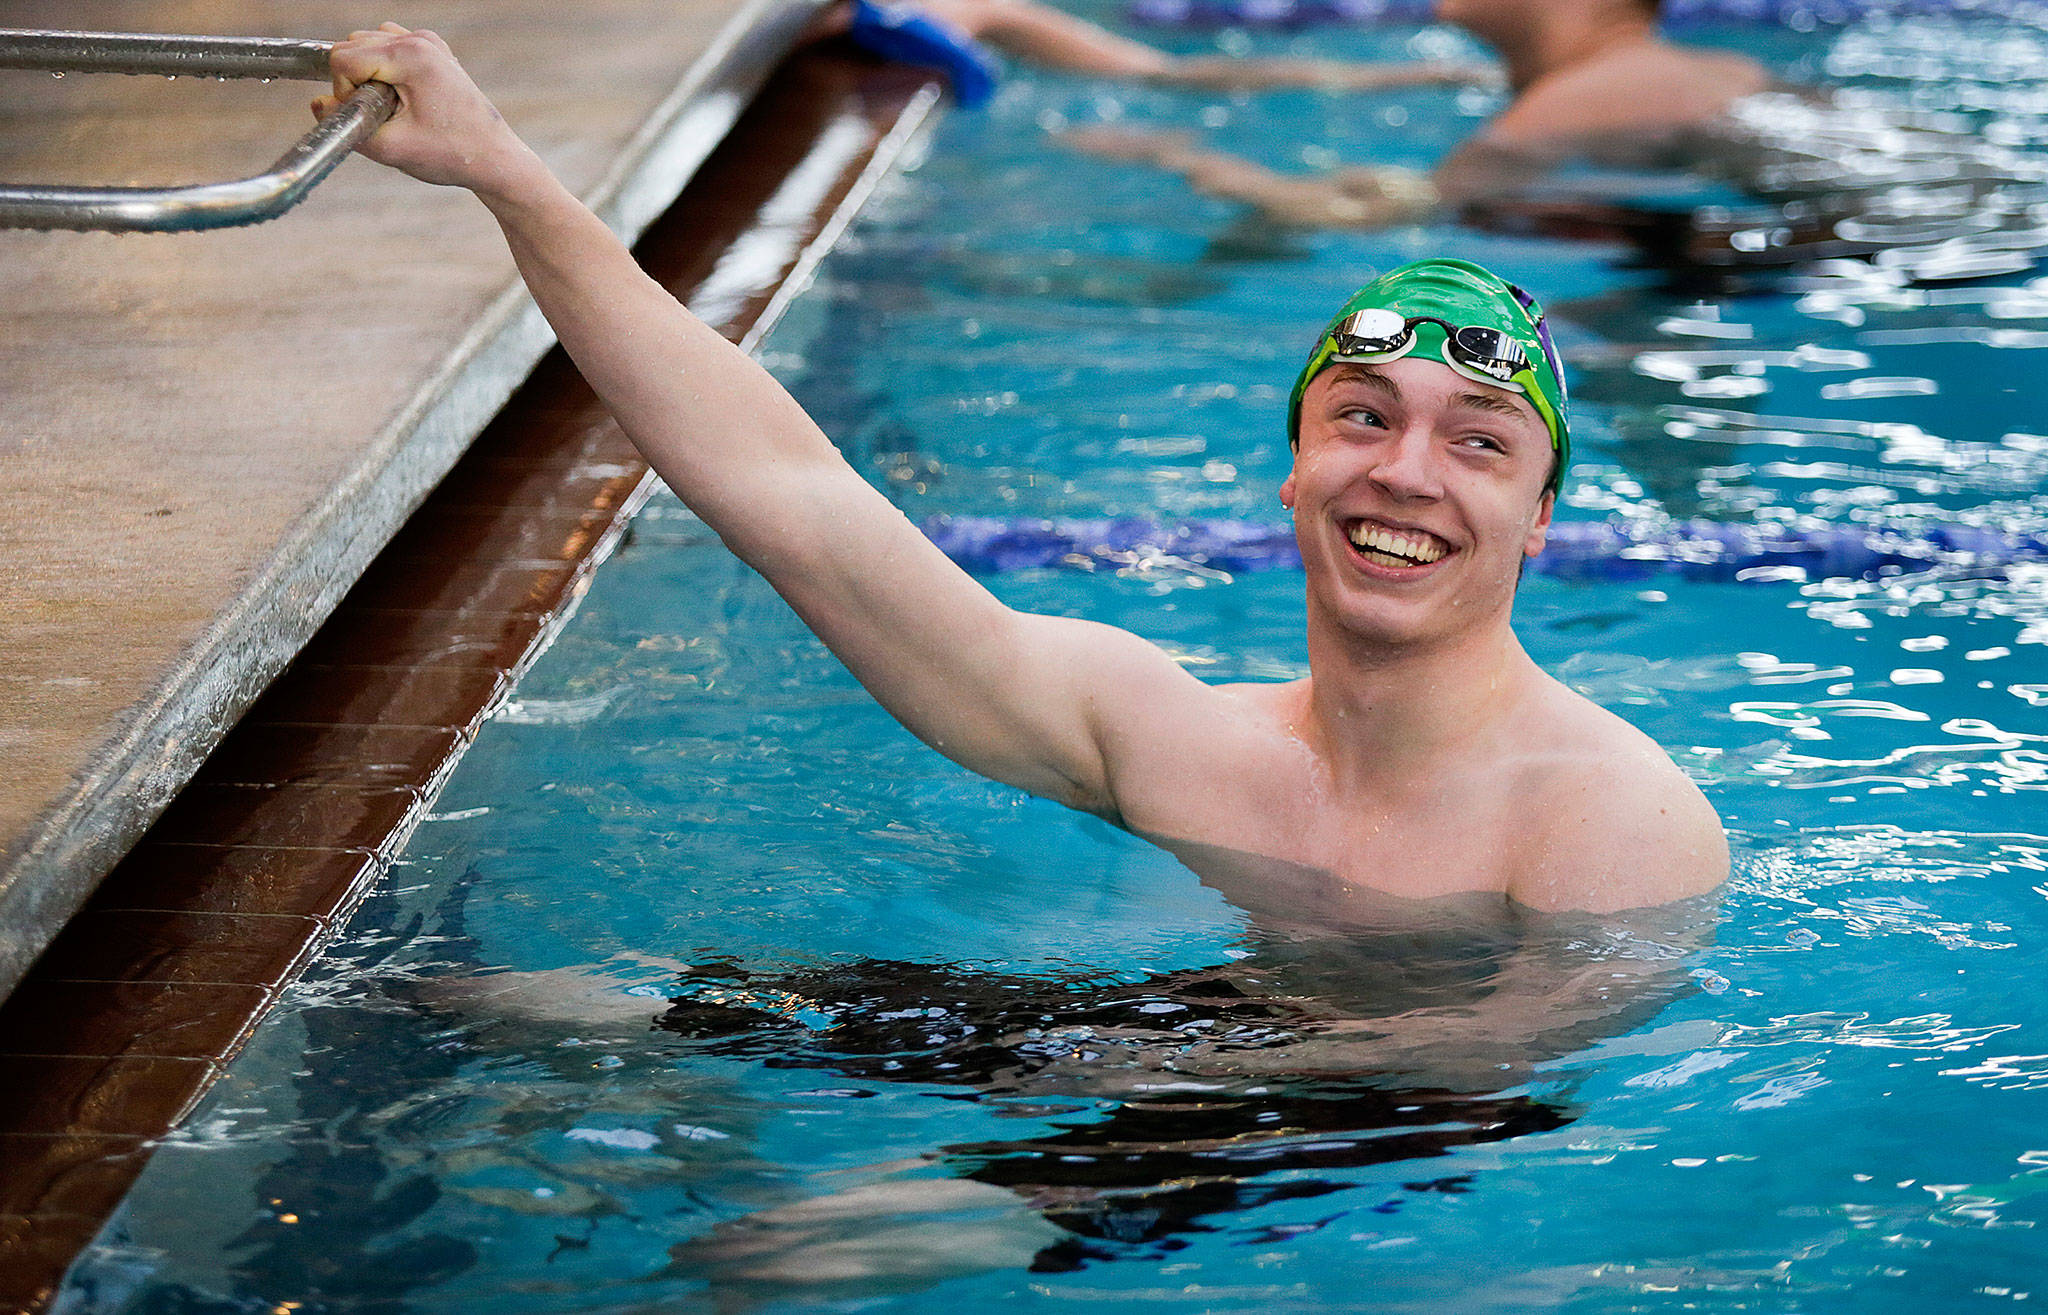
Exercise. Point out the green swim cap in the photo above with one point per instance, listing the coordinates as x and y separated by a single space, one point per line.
1464 295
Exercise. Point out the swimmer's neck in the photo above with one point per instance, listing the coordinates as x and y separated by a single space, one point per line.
1564 38
1375 712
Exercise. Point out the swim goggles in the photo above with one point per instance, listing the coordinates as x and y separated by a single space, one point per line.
1376 335
1477 351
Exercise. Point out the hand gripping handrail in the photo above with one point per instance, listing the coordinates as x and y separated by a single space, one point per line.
197 205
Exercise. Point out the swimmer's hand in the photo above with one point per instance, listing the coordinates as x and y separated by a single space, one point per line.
445 130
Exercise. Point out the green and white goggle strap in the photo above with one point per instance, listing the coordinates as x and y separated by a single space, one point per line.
1479 352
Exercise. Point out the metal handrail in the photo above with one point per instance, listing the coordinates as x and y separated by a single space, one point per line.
197 205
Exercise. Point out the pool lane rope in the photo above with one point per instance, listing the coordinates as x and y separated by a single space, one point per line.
1577 550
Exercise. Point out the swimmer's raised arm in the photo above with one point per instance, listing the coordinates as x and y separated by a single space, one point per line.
1020 698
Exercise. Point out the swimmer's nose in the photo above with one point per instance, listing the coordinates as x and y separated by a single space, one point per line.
1408 466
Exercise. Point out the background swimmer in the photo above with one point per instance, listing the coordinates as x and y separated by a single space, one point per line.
1587 78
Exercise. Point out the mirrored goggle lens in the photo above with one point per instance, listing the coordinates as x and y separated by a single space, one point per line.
1489 351
1373 333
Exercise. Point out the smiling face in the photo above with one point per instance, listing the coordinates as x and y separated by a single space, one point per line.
1417 494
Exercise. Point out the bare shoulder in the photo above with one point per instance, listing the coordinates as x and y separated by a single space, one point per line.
1141 700
1122 660
1620 825
1649 87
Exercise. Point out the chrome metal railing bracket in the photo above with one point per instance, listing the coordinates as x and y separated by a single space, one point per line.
197 205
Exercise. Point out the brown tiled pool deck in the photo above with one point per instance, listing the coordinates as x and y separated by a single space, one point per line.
136 1007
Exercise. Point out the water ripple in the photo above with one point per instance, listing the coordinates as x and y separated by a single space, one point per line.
1930 1032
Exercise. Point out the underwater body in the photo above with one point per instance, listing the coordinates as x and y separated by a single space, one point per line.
707 987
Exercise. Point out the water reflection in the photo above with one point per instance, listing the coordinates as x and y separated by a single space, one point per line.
1171 1105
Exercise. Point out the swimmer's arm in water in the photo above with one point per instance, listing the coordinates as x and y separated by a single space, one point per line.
1533 1009
1056 39
1233 73
1354 198
1037 702
1489 168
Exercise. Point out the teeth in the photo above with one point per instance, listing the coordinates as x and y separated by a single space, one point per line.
1411 547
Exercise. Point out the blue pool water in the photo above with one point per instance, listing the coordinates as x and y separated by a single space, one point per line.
924 1043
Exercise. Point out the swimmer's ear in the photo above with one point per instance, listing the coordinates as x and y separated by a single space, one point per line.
1539 532
1287 491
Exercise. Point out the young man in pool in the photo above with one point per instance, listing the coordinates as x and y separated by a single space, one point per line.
1425 755
1587 78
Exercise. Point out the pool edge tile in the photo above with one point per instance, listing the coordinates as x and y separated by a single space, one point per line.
136 1096
203 878
132 1019
36 1251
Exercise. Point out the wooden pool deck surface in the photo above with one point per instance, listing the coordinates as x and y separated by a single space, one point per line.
207 437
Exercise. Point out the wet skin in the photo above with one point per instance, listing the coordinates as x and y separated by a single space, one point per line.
1427 755
1408 762
1453 470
